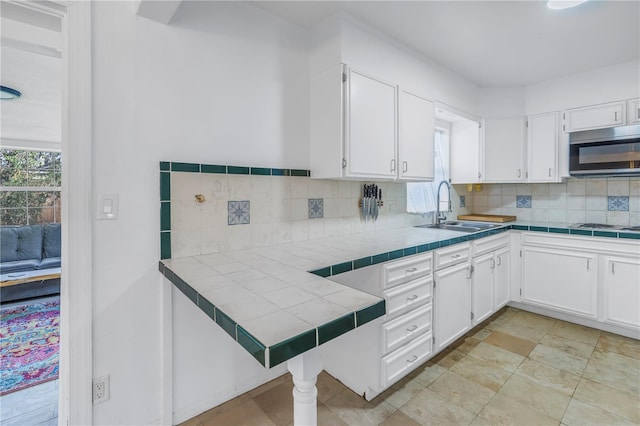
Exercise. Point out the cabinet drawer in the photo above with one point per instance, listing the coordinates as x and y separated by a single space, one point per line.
488 244
452 255
405 270
408 296
401 361
399 331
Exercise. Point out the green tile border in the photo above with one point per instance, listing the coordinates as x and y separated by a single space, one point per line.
370 313
629 235
260 171
341 268
227 324
252 345
336 328
286 350
206 306
322 272
212 168
165 245
165 216
165 166
280 172
362 262
185 167
165 186
237 170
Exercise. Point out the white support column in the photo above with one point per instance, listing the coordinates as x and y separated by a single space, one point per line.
305 369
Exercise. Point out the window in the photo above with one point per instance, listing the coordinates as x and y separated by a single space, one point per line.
30 184
422 196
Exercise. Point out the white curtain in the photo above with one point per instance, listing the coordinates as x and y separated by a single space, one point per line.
422 196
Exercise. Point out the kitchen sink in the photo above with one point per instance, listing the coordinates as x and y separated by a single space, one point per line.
461 226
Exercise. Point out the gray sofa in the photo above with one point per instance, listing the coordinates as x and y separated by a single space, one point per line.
25 249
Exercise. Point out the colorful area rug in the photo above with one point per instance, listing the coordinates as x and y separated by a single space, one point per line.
29 344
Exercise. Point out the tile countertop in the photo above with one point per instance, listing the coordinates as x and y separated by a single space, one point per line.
276 301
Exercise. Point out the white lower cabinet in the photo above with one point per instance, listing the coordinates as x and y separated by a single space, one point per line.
482 287
621 291
502 273
452 300
401 361
565 280
593 281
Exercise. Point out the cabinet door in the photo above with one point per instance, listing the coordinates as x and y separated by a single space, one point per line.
502 280
594 117
370 128
466 153
416 138
482 292
452 304
542 148
504 149
563 280
633 111
621 288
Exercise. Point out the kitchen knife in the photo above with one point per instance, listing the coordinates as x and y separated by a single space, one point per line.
375 202
362 202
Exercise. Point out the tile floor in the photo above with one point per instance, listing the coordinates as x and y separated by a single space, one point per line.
517 368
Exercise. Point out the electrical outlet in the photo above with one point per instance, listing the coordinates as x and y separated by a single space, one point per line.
100 389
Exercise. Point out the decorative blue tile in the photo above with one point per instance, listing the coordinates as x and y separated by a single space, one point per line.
396 254
165 186
206 306
618 204
165 216
607 234
316 208
463 201
520 227
523 201
410 250
226 323
238 212
237 170
165 166
280 172
379 258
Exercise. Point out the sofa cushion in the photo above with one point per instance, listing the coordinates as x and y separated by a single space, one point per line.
49 262
51 240
21 243
19 266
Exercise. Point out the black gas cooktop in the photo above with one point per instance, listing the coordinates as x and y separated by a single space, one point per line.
605 226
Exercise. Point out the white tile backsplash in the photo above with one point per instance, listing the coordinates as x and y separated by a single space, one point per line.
573 201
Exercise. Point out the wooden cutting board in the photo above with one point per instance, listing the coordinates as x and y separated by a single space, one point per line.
487 217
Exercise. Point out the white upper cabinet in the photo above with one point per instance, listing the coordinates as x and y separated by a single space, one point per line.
365 128
542 148
633 111
466 151
594 117
415 150
370 127
504 142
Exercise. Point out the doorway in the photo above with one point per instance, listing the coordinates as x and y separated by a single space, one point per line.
27 26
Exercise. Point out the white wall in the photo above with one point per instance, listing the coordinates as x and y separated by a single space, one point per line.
224 84
613 83
501 101
343 39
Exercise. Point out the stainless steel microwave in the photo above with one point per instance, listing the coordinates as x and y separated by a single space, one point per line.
605 152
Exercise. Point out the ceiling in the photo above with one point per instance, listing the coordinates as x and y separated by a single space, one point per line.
493 43
35 119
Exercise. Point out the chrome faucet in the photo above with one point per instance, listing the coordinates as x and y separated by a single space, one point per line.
440 216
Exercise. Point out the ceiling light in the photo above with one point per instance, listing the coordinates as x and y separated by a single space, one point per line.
7 93
563 4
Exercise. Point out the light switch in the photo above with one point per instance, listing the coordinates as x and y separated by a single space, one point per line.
107 206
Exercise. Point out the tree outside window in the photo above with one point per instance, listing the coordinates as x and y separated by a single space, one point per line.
30 184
